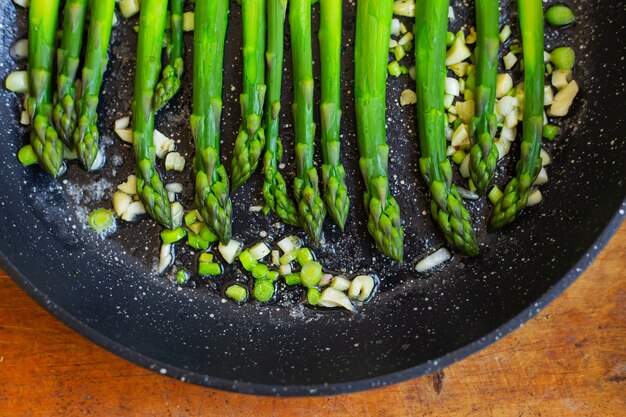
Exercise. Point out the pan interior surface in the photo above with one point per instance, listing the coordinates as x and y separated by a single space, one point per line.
107 289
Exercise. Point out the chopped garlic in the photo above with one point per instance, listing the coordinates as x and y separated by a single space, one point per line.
330 297
174 162
452 87
125 134
134 210
408 97
460 137
509 60
458 52
433 260
166 257
361 287
548 95
188 21
404 8
178 212
19 50
122 123
17 82
534 198
129 186
504 85
563 100
163 144
230 251
129 8
121 201
465 110
560 78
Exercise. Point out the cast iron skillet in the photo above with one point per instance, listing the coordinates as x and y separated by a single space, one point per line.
105 290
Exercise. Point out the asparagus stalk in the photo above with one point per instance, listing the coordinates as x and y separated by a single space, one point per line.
431 24
310 205
149 45
42 21
86 135
518 189
373 30
68 59
251 138
170 78
274 186
212 185
483 154
333 172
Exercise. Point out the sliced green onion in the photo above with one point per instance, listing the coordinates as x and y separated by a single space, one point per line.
247 260
273 275
188 21
263 290
284 269
209 269
311 274
505 33
260 271
559 15
304 256
550 131
207 234
458 156
195 241
237 292
26 155
206 258
129 8
394 69
288 257
292 279
101 220
313 296
173 235
563 57
182 276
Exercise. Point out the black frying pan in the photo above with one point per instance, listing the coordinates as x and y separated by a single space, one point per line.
415 324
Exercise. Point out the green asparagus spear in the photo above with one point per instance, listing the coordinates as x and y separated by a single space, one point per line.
42 21
170 78
251 138
310 205
333 173
68 59
517 190
431 25
86 135
483 154
212 185
149 45
373 30
274 186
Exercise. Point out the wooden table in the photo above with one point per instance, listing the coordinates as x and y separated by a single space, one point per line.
570 360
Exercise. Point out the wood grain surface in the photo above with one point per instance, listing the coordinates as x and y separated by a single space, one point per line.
570 360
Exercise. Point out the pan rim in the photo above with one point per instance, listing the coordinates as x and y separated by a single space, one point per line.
249 388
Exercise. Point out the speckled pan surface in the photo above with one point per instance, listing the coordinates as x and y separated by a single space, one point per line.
416 324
